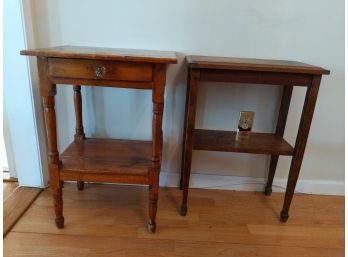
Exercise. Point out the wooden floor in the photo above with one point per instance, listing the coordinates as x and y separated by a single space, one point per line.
110 220
16 201
9 188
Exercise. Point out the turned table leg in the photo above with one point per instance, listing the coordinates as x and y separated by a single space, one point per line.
188 132
282 117
48 91
300 145
79 131
55 184
157 142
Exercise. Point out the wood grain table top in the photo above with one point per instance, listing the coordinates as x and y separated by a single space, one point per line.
100 53
211 62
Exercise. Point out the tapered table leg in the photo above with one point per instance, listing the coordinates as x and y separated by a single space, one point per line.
300 145
271 173
80 185
282 117
189 130
184 135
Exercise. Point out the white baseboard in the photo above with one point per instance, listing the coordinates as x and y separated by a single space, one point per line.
323 187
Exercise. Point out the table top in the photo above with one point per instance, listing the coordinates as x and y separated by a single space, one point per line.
100 53
211 62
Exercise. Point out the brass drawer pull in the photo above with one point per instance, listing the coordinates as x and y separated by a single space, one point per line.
100 72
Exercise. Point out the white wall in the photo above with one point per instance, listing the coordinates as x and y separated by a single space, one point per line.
20 133
310 31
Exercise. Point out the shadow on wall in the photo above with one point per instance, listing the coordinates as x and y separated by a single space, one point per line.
127 113
173 119
117 113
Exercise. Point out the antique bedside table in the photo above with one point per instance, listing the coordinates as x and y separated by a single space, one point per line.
103 160
252 71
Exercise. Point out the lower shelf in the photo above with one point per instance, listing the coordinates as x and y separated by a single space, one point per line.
227 141
107 160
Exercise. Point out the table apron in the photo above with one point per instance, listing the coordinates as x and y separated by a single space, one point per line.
102 83
255 77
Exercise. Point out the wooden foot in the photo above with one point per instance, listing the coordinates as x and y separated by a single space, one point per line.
268 191
151 227
80 185
60 222
58 208
183 210
284 216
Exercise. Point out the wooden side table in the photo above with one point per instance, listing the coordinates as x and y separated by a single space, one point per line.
94 159
252 71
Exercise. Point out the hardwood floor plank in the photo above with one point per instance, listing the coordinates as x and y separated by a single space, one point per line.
9 187
313 232
324 252
108 220
17 243
16 204
67 245
184 248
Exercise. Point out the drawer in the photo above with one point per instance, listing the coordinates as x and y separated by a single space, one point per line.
100 70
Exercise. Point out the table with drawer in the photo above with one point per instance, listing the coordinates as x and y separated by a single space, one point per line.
95 159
